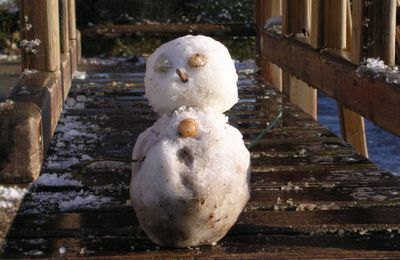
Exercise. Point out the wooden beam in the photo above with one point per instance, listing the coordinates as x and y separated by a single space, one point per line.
266 10
297 19
43 17
374 99
113 31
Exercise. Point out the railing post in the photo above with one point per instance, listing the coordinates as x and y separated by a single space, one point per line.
39 20
297 19
264 11
64 26
72 19
73 35
352 124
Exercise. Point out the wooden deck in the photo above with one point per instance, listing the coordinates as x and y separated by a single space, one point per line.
313 196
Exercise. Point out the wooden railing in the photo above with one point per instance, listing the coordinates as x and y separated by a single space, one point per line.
51 51
320 45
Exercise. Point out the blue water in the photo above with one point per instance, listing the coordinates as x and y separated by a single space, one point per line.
383 147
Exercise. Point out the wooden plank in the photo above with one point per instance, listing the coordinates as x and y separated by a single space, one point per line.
44 18
266 10
120 30
346 207
374 99
297 19
302 246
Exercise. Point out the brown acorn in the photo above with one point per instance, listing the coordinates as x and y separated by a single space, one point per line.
188 128
197 60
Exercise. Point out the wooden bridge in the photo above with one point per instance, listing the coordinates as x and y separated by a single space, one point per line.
313 195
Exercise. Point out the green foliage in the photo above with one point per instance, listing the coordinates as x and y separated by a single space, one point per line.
8 26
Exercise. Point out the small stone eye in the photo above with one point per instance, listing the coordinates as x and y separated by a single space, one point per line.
197 60
163 63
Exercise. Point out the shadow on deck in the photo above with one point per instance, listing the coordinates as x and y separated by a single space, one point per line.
313 196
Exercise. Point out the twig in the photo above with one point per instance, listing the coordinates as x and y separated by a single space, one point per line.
270 125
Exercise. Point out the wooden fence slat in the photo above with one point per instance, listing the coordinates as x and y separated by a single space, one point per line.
297 19
382 30
64 26
72 19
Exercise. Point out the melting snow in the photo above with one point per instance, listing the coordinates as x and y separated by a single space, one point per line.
10 196
47 179
377 69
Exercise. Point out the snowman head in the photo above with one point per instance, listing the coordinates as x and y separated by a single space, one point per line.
195 71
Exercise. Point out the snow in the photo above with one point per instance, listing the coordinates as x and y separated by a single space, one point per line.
90 201
10 5
30 46
202 182
246 67
29 72
9 57
67 201
47 179
81 75
274 25
62 250
377 69
113 61
212 85
10 196
273 21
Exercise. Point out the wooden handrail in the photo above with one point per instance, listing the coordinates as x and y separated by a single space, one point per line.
111 31
336 76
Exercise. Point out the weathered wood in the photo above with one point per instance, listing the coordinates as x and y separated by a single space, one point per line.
266 10
297 20
43 17
317 25
381 31
374 99
353 129
335 24
64 26
113 31
352 124
23 142
72 19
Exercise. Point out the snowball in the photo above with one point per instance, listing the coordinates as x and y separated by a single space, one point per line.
212 83
190 191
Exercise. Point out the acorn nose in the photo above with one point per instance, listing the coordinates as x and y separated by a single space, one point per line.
182 75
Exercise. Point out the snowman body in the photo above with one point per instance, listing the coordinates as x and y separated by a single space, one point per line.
189 190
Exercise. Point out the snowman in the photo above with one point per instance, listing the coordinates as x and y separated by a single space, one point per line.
192 179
